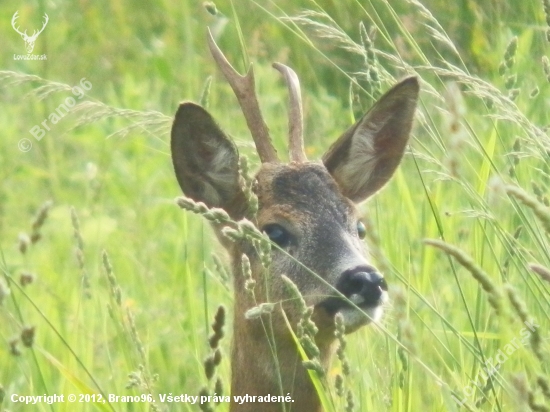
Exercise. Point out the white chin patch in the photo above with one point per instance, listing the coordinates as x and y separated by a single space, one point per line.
353 318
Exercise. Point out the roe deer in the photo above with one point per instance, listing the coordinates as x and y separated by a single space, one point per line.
307 209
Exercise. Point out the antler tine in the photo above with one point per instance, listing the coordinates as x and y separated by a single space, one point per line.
46 20
13 23
244 89
295 114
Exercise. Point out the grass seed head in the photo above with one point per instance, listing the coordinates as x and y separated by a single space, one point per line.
540 270
27 336
309 347
520 308
134 380
510 53
256 312
116 293
135 337
209 367
494 295
14 346
246 182
517 232
220 268
339 385
217 357
519 382
218 387
249 282
190 205
80 258
219 318
342 343
210 7
26 278
217 327
502 68
205 406
76 228
314 365
24 241
517 303
306 323
217 215
232 234
350 402
371 66
39 220
295 293
541 211
247 269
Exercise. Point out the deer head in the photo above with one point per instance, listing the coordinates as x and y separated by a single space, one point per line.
29 40
308 210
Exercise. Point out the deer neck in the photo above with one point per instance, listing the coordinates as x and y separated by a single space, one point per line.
261 365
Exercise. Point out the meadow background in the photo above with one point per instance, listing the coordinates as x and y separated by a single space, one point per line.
106 286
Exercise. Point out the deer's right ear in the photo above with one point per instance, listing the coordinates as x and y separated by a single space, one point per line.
365 157
205 160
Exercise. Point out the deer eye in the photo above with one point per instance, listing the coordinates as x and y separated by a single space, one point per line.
361 230
277 234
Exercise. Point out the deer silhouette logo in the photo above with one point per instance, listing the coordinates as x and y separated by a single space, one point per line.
29 40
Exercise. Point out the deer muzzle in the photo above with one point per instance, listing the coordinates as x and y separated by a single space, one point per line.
363 291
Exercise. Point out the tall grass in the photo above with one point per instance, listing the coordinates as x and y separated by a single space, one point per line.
112 291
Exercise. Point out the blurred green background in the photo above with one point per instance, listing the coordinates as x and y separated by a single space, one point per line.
482 125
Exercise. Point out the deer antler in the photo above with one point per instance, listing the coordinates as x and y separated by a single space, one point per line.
34 33
244 89
13 19
46 20
295 114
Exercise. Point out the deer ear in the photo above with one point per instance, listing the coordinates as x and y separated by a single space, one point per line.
365 157
205 160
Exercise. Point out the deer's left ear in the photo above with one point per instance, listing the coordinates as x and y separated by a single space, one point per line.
206 160
365 157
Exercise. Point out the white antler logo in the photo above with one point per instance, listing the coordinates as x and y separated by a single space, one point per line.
29 40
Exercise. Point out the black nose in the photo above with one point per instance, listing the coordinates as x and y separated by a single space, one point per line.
363 281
